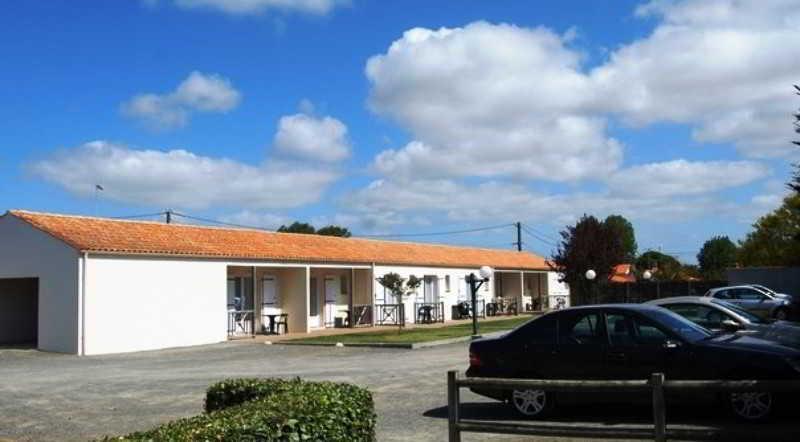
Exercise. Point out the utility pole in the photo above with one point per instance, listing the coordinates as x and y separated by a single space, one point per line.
519 236
169 216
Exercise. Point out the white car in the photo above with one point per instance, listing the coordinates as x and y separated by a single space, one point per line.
756 300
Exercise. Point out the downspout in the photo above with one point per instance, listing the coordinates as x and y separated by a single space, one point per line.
82 314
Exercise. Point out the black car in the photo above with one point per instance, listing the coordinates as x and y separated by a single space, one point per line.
627 341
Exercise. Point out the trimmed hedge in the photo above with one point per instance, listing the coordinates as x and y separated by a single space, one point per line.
274 410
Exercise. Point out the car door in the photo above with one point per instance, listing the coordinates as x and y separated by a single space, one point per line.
580 353
532 350
752 300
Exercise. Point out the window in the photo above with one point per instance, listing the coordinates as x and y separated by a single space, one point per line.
705 316
747 294
647 334
540 331
581 329
447 283
619 332
722 294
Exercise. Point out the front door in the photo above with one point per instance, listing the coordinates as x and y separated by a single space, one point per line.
314 319
270 304
431 289
332 287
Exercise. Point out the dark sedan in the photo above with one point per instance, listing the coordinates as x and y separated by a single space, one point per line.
627 341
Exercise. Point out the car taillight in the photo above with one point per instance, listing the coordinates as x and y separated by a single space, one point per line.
474 360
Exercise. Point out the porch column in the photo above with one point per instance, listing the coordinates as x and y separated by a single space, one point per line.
307 297
352 294
372 294
521 300
256 302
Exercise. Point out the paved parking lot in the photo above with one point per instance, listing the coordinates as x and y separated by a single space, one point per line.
59 397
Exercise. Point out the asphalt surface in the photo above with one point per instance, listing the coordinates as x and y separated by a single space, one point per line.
46 396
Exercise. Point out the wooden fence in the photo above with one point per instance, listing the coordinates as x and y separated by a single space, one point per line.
642 291
656 385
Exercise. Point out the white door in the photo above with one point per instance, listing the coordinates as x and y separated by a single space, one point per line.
332 286
314 320
270 304
431 289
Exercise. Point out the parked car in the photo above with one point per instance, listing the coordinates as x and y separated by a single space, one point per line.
627 341
758 301
718 315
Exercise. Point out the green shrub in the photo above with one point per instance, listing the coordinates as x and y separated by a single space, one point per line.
274 410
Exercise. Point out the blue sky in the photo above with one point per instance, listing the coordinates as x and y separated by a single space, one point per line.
674 114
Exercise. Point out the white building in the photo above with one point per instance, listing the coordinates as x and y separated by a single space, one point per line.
87 285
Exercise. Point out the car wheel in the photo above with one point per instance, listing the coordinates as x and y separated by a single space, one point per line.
751 406
531 403
781 314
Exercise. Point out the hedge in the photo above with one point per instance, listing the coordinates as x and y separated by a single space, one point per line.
274 410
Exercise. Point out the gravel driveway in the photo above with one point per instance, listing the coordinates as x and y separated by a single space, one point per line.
47 396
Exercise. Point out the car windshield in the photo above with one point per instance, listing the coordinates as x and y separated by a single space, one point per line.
681 326
739 311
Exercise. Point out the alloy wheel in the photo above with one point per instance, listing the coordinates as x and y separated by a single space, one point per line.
529 402
751 405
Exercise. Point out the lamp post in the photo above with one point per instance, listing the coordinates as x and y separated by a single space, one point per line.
475 284
648 275
590 276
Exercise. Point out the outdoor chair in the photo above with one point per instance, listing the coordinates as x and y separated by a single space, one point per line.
424 314
464 310
282 321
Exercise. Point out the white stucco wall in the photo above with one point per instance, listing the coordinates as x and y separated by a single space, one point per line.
26 252
151 303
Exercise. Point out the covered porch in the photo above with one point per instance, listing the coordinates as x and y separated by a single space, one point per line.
281 299
526 291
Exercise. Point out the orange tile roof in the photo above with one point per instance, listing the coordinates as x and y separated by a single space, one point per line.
103 235
622 273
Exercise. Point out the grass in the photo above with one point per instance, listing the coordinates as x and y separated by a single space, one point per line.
394 335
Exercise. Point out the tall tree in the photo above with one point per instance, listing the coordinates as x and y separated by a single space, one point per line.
794 184
624 229
662 266
775 240
344 232
589 244
297 227
716 255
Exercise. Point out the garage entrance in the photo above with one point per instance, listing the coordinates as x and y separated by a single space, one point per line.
19 311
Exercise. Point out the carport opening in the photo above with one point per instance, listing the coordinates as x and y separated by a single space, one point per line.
19 312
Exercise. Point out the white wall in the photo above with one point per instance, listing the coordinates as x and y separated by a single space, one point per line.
150 303
26 252
458 286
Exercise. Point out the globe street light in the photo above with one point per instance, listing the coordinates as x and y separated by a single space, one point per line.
475 284
647 275
590 276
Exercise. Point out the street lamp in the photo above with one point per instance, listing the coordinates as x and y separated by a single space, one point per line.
648 275
590 276
475 284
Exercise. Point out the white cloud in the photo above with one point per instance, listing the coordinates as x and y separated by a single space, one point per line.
197 93
249 218
489 100
310 137
681 177
725 67
181 179
247 7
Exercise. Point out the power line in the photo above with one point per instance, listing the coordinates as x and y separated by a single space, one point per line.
144 215
541 233
451 232
222 223
539 237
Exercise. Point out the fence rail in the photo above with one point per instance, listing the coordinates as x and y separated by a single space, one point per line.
390 314
362 315
241 323
428 312
642 291
656 385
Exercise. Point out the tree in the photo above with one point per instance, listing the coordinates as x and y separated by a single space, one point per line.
624 229
775 240
297 227
716 255
794 184
343 232
399 286
662 266
589 244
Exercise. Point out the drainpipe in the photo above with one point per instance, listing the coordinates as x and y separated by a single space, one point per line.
82 314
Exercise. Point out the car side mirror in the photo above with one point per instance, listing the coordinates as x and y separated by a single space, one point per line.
730 325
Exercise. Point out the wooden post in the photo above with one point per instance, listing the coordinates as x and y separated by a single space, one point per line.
659 412
453 403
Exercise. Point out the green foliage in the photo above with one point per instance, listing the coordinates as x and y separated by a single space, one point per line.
298 227
589 244
413 284
775 240
663 267
343 232
398 285
624 229
274 410
716 255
